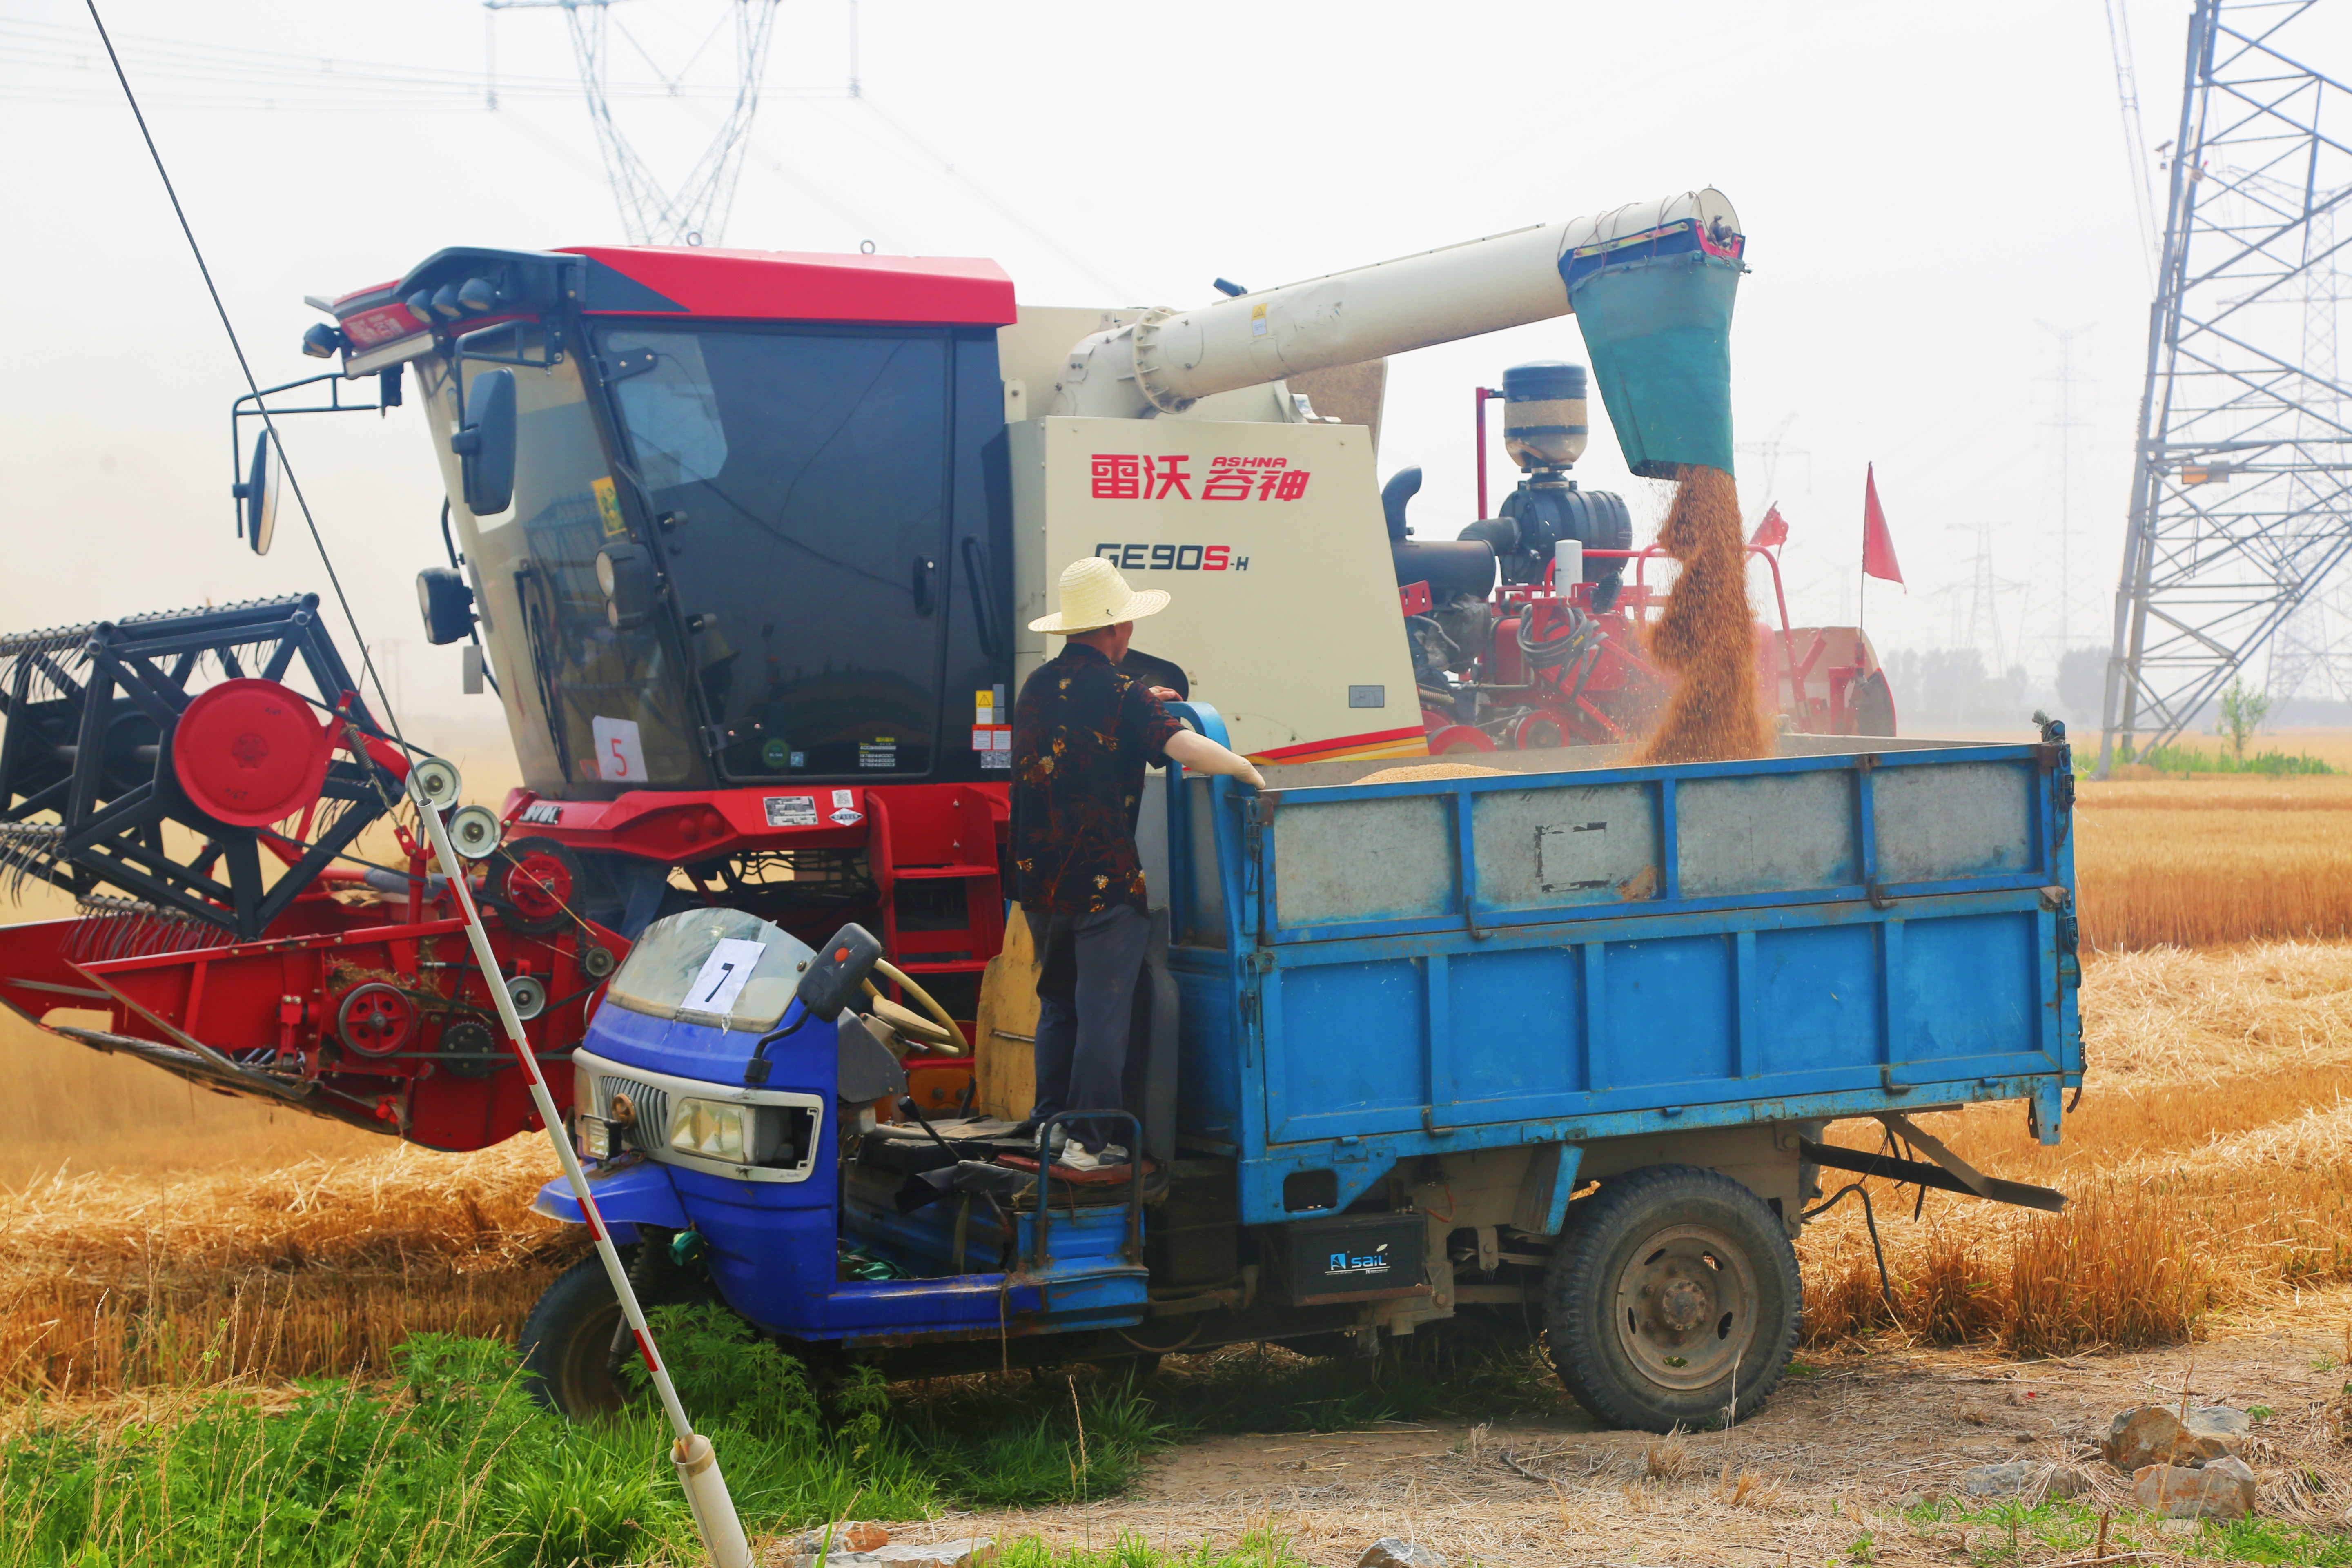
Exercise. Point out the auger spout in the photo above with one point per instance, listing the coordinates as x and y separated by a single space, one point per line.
1652 284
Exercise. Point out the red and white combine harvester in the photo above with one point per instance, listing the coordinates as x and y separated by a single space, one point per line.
746 543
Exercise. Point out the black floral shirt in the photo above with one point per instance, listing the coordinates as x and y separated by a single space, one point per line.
1082 732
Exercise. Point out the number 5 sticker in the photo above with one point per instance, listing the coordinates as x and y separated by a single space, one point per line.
620 753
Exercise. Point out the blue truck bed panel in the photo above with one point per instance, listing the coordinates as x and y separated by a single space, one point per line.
1371 973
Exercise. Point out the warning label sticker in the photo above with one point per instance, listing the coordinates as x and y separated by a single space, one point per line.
791 810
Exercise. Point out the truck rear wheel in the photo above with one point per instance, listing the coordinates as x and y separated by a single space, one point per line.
1672 1286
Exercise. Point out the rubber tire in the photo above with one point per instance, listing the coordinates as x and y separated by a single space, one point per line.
567 1343
1598 1246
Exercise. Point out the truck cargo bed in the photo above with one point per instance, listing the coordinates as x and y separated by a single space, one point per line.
1370 973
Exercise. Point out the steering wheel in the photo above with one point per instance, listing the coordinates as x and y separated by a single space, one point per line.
938 1032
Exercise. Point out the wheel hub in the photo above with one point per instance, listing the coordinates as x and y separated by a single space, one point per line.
377 1019
1686 1306
1682 1306
540 885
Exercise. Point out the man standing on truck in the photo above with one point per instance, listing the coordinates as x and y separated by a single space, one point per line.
1082 732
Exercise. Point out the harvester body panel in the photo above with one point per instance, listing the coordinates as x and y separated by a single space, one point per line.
1268 537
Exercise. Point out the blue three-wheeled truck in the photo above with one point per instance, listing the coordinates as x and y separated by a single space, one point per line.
1554 1044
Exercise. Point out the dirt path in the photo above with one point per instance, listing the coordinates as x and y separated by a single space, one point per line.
1841 1451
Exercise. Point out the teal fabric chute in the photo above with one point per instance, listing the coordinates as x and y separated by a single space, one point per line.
1659 333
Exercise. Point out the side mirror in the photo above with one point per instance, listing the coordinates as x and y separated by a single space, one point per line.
833 978
259 494
486 446
447 604
628 583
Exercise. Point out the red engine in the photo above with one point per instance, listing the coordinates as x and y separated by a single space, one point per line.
1532 668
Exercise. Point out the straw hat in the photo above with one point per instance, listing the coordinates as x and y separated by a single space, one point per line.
1095 595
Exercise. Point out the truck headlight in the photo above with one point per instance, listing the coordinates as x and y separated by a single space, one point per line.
717 1130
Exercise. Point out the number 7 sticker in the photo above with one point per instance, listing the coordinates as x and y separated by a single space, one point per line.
722 976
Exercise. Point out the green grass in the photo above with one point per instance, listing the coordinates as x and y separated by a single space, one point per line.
450 1465
1255 1549
2179 759
2011 1532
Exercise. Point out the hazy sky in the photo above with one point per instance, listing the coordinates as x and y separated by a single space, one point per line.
1920 184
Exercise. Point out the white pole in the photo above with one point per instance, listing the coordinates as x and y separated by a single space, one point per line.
691 1455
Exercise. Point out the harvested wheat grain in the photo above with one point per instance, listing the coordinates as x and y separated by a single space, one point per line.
1707 633
1417 771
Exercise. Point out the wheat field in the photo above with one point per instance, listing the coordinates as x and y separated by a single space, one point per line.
152 1234
2213 859
2209 1163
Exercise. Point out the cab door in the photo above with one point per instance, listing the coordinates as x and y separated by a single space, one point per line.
799 479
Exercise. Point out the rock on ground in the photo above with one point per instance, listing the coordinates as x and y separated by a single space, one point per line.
2222 1487
975 1552
1387 1552
2156 1435
2024 1477
850 1535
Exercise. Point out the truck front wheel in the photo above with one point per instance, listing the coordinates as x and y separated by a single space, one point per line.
567 1343
1671 1287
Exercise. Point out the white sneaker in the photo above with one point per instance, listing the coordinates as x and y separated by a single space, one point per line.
1076 1157
1057 1140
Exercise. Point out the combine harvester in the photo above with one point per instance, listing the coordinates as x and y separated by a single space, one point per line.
737 535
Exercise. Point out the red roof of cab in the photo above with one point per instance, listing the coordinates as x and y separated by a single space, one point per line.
799 286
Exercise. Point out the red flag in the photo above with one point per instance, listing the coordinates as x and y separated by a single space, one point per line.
1877 544
1773 531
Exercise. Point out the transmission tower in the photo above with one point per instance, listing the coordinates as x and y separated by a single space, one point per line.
2239 505
1982 629
2307 648
695 211
1772 449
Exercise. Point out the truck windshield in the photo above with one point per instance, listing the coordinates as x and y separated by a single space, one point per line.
805 474
712 966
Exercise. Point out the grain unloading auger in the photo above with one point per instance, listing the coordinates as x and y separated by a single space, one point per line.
734 535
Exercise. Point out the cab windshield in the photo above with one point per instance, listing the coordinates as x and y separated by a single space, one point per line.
803 475
589 704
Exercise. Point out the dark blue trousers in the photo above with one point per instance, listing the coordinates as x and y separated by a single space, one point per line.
1088 966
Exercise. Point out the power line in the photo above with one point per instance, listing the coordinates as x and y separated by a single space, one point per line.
218 77
319 80
2120 44
252 386
948 166
2059 477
